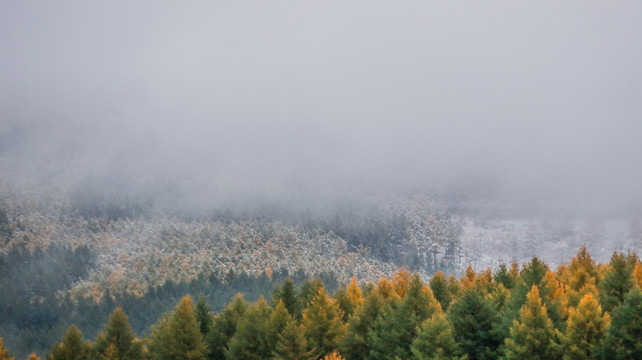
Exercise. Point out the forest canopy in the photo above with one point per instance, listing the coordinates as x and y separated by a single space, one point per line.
580 310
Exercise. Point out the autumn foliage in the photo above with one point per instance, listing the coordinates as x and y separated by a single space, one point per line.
581 310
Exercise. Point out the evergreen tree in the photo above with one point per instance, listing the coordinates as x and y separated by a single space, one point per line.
292 344
279 319
72 347
354 345
224 328
586 327
436 341
340 296
624 337
250 341
533 335
288 294
156 341
203 316
439 287
386 337
322 324
178 336
309 290
32 356
453 288
498 296
4 353
419 300
474 320
504 277
395 329
533 273
118 333
617 282
349 299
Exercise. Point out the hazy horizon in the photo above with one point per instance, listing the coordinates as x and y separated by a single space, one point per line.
536 101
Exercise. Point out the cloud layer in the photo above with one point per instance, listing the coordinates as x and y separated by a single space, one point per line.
543 99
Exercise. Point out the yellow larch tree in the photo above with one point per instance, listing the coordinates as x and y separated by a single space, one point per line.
585 328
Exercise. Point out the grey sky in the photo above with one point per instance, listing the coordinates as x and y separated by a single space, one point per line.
542 97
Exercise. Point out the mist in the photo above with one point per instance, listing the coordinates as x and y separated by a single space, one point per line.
524 103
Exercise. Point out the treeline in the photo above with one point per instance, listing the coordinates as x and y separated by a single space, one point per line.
581 310
36 308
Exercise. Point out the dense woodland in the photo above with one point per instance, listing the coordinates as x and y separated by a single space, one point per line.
320 180
72 253
78 241
579 310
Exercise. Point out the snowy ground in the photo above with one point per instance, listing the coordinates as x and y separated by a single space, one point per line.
489 243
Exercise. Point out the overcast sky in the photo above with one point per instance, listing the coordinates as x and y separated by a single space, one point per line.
542 97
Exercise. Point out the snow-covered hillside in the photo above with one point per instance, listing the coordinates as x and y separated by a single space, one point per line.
489 243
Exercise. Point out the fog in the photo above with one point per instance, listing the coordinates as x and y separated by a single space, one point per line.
537 101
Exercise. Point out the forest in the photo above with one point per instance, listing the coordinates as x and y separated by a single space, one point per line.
76 244
582 309
320 180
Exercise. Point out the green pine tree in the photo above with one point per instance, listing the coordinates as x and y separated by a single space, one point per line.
354 345
308 292
395 329
224 327
439 287
279 319
292 344
436 341
533 273
178 337
156 340
250 339
504 277
119 335
288 294
624 337
475 321
386 337
72 347
617 282
203 316
533 335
